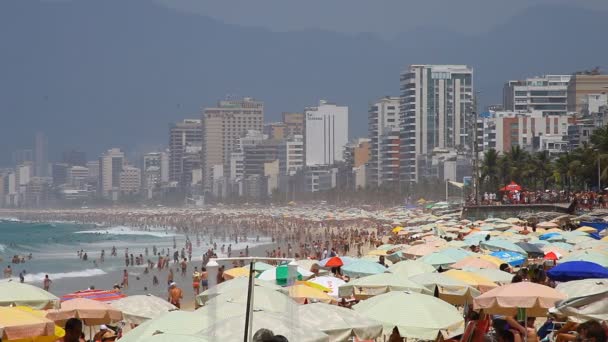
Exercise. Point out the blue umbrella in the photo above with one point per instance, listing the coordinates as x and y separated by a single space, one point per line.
548 235
512 258
577 270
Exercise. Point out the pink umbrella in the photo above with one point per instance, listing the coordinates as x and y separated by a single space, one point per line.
421 250
536 299
90 311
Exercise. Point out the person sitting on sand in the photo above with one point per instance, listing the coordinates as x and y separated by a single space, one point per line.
175 295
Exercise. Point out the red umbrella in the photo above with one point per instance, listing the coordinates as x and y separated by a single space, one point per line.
511 187
334 262
551 256
98 295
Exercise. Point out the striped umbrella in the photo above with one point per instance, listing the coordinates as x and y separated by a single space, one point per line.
98 295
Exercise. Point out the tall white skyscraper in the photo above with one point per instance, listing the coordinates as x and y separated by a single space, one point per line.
436 116
111 165
383 127
326 133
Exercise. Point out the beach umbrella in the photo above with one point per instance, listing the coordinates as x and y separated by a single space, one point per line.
502 245
303 294
585 308
239 284
307 264
236 273
362 268
497 276
59 332
532 250
91 312
451 290
586 229
397 229
581 288
233 329
18 294
174 322
576 270
418 318
331 283
481 283
376 284
332 262
420 250
437 260
474 262
547 225
280 274
260 266
534 298
589 256
140 308
563 245
18 324
456 253
512 258
263 298
339 323
408 268
98 295
551 237
552 256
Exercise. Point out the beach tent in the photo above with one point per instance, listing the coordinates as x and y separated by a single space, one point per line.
98 295
451 290
576 270
140 308
15 294
19 324
91 312
415 315
534 298
339 323
233 328
239 284
376 284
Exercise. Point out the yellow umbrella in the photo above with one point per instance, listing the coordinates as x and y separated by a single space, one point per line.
586 229
492 259
20 325
605 238
378 252
313 285
302 293
236 272
59 332
483 284
397 229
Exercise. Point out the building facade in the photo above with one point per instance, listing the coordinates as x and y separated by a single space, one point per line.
294 124
181 136
326 133
130 180
111 165
383 123
547 94
291 155
436 112
582 85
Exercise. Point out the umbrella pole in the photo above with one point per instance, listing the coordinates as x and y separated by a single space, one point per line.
248 314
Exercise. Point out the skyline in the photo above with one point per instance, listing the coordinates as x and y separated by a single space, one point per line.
139 91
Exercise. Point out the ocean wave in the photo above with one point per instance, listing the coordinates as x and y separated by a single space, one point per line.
2 248
39 277
10 219
122 230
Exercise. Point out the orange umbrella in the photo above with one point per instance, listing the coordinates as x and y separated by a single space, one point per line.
536 299
90 311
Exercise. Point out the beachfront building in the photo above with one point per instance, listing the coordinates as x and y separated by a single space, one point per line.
181 136
130 180
155 172
383 130
41 155
222 127
583 84
505 129
77 176
436 113
111 164
291 155
326 133
320 178
59 173
294 124
547 94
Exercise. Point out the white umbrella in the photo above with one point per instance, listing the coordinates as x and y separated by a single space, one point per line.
140 308
338 322
241 284
581 288
331 283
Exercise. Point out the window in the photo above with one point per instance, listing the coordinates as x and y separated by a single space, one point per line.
521 93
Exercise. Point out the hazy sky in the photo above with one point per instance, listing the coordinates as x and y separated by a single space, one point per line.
385 17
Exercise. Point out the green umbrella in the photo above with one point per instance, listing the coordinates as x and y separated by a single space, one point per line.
263 298
415 315
19 294
175 322
451 290
338 322
362 268
502 245
240 284
408 268
379 283
437 259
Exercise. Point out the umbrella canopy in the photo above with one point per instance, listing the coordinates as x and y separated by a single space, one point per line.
408 268
91 312
576 270
332 262
305 294
474 262
456 253
552 256
437 260
586 229
502 245
511 187
481 283
581 288
339 323
140 308
98 295
331 283
260 266
376 284
589 256
174 322
169 337
263 298
233 329
14 294
582 309
236 272
362 268
536 299
420 250
532 250
18 324
239 284
497 276
451 290
280 274
418 318
512 258
58 334
307 264
547 224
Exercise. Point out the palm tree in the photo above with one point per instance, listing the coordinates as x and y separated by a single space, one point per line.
489 170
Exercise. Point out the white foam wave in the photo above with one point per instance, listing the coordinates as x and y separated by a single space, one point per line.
2 248
10 219
39 277
122 230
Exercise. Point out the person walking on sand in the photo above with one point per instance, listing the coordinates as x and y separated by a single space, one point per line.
204 281
125 279
170 277
47 282
196 280
175 295
184 266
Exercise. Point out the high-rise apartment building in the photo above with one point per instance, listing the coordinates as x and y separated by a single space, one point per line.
130 180
547 94
111 164
326 133
291 155
78 176
436 114
294 124
222 127
155 170
41 158
181 136
383 128
582 85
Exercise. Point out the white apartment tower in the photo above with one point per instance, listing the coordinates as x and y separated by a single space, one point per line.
326 133
291 155
436 116
111 165
547 94
383 127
